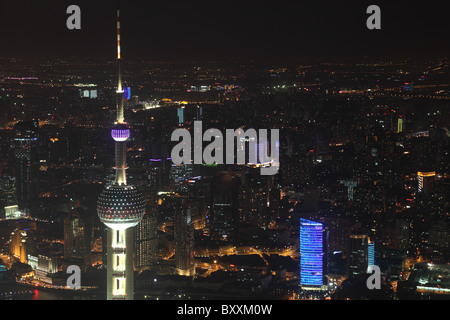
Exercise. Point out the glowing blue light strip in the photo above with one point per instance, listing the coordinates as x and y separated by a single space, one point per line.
371 254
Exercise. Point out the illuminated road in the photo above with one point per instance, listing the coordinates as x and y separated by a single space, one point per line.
292 252
212 267
209 267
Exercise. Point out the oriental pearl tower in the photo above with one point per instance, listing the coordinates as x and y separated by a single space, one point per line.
120 206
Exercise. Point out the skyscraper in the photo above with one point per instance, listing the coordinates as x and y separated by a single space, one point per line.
180 175
180 114
358 259
371 254
425 181
78 236
146 237
400 125
18 245
311 254
257 187
350 184
7 192
120 207
184 240
26 156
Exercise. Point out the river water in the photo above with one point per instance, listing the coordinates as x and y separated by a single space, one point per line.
13 291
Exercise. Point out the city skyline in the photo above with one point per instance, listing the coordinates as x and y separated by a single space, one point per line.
90 175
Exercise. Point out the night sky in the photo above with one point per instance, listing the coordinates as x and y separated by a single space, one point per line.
278 30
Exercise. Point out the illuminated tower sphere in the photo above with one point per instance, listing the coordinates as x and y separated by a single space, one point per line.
120 207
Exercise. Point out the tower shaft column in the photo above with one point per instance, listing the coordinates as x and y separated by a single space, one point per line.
121 162
120 277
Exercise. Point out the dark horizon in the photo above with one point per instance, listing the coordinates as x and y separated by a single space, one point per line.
267 31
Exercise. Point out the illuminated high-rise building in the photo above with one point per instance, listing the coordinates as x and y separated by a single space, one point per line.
180 114
400 125
358 255
7 192
146 240
180 175
184 240
350 184
257 198
26 156
120 207
18 245
425 181
311 254
370 254
78 237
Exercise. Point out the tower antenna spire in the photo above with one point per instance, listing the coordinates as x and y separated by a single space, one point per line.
118 31
120 117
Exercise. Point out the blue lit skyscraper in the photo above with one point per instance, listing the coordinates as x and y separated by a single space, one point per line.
126 93
311 253
371 254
